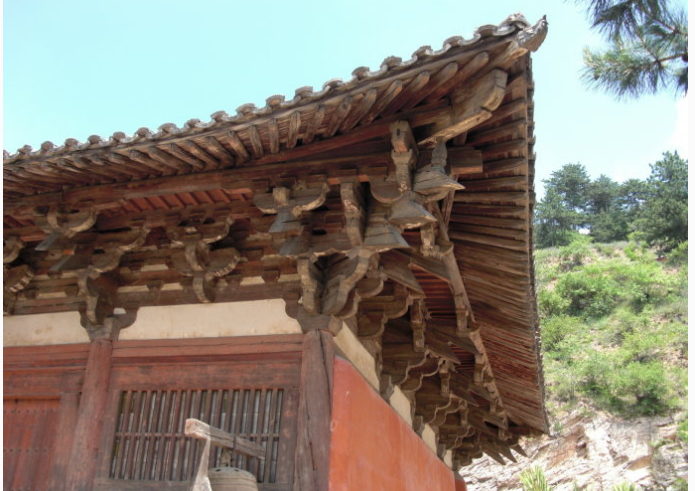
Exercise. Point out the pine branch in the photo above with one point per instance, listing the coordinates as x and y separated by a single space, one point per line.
648 47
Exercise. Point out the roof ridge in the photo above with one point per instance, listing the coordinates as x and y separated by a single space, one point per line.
513 23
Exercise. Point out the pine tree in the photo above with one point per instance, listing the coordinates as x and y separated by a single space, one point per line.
647 51
663 219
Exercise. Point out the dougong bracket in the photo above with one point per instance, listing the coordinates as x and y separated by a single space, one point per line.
197 259
289 204
60 224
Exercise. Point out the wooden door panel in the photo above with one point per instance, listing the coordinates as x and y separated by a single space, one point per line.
29 434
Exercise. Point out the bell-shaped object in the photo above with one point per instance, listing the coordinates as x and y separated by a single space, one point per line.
408 213
380 235
231 479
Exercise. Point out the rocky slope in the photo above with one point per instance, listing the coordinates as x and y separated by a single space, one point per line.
595 452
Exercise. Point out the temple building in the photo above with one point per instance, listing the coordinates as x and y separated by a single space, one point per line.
331 292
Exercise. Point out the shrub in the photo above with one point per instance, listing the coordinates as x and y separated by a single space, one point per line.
614 328
643 346
640 389
533 479
624 322
624 486
556 329
551 303
637 251
590 292
545 273
682 430
562 381
610 250
576 252
595 290
679 255
644 284
619 385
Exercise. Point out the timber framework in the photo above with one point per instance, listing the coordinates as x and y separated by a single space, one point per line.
388 216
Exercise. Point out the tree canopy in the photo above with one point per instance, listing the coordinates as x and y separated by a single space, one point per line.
654 210
647 47
663 220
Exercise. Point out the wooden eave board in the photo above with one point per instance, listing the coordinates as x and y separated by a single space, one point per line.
254 135
227 161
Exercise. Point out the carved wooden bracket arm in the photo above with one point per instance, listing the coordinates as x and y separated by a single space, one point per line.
14 278
195 257
289 204
63 224
11 247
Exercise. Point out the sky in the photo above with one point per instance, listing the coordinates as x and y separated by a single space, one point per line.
75 68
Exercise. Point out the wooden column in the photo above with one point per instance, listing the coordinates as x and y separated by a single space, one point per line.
85 445
311 463
65 431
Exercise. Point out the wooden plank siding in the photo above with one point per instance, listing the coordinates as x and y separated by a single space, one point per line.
135 398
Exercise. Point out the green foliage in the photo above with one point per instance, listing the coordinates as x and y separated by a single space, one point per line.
562 210
590 292
652 211
557 329
576 252
647 47
618 385
663 220
624 486
682 431
680 484
613 326
679 255
547 268
533 479
609 218
602 194
596 289
631 197
551 303
609 226
639 252
572 183
555 222
639 389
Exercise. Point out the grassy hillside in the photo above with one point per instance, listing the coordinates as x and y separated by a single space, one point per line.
614 326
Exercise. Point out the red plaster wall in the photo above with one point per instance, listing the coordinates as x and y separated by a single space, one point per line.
372 448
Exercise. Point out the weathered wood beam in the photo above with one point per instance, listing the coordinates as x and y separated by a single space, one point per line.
273 136
360 111
256 143
339 114
465 72
293 127
238 179
237 146
314 124
472 105
203 431
215 148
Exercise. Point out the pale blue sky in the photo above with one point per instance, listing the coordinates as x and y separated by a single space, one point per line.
75 68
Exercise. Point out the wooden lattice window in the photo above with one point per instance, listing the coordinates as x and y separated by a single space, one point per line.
149 442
